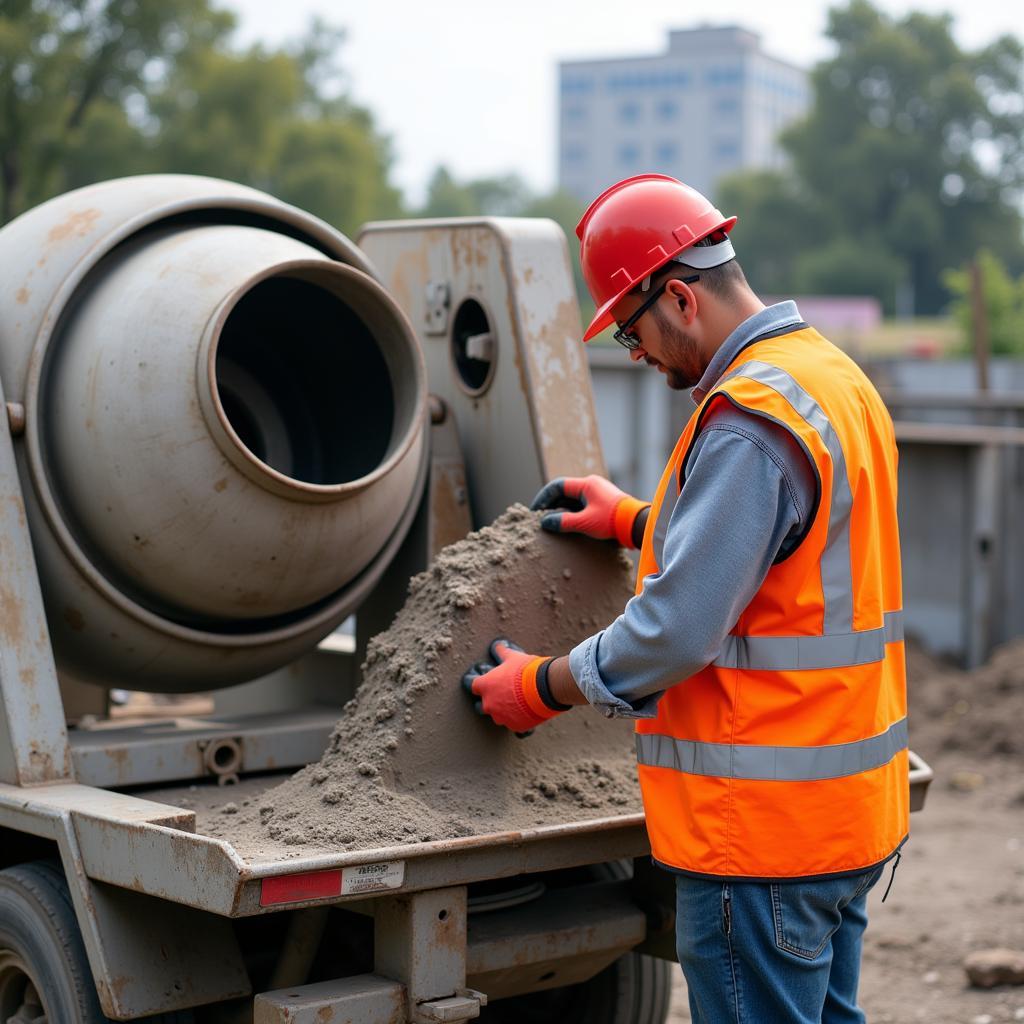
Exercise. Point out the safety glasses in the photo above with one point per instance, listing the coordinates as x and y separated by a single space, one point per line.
624 335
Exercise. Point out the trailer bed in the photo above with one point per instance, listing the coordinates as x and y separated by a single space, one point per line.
160 849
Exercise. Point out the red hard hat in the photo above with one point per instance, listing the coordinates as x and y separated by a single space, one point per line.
633 228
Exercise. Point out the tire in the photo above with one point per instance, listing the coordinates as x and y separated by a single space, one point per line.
44 972
636 989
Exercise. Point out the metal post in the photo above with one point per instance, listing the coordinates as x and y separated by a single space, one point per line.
420 940
983 551
979 334
33 738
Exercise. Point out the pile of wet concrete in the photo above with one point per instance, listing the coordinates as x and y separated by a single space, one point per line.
410 760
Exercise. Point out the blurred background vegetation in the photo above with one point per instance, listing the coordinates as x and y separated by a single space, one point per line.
908 167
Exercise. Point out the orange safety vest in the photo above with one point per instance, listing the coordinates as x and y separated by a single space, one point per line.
786 757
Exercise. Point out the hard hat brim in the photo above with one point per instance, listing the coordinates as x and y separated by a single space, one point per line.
705 259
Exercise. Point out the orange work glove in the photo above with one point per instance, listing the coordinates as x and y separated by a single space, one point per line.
509 690
595 507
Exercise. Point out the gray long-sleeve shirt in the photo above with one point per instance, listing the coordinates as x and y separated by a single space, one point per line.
748 489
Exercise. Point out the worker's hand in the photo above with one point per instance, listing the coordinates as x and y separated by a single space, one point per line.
507 688
595 507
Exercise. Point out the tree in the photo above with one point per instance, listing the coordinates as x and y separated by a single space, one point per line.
69 65
1004 304
99 89
913 145
848 266
447 198
503 196
778 221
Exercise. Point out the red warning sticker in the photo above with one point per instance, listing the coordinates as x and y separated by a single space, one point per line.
318 885
309 885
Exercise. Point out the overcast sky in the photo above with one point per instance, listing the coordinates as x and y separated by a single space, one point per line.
472 84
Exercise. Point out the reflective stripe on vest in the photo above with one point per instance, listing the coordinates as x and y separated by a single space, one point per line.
786 756
781 764
794 653
836 582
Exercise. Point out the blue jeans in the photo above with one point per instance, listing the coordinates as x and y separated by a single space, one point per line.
773 953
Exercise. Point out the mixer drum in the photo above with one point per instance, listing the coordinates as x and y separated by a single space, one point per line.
225 436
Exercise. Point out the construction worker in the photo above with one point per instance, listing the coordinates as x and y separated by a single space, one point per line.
762 655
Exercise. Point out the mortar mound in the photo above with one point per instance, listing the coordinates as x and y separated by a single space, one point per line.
410 760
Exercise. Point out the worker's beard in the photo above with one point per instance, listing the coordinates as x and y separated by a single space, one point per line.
682 362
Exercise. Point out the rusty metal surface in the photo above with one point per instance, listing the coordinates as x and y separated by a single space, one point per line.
547 318
215 533
164 751
518 271
70 233
16 418
420 941
145 957
448 494
148 847
452 1008
566 936
145 846
363 999
33 739
104 623
158 957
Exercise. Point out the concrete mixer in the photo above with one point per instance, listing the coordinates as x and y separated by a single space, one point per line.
228 428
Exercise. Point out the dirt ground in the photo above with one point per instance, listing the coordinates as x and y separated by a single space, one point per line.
960 885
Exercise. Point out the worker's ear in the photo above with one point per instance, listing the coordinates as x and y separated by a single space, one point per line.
683 294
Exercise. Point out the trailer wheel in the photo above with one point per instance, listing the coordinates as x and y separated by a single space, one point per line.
44 974
636 989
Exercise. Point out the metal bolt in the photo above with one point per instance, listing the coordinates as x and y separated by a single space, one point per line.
16 418
438 409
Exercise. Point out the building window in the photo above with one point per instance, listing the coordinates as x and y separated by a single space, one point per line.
575 153
727 149
666 109
573 86
726 106
663 78
726 75
629 154
576 114
666 153
629 113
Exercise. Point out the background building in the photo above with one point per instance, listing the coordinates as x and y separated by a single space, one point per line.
711 104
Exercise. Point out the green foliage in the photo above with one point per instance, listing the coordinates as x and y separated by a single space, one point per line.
913 149
68 66
777 222
100 89
847 266
1004 304
504 196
